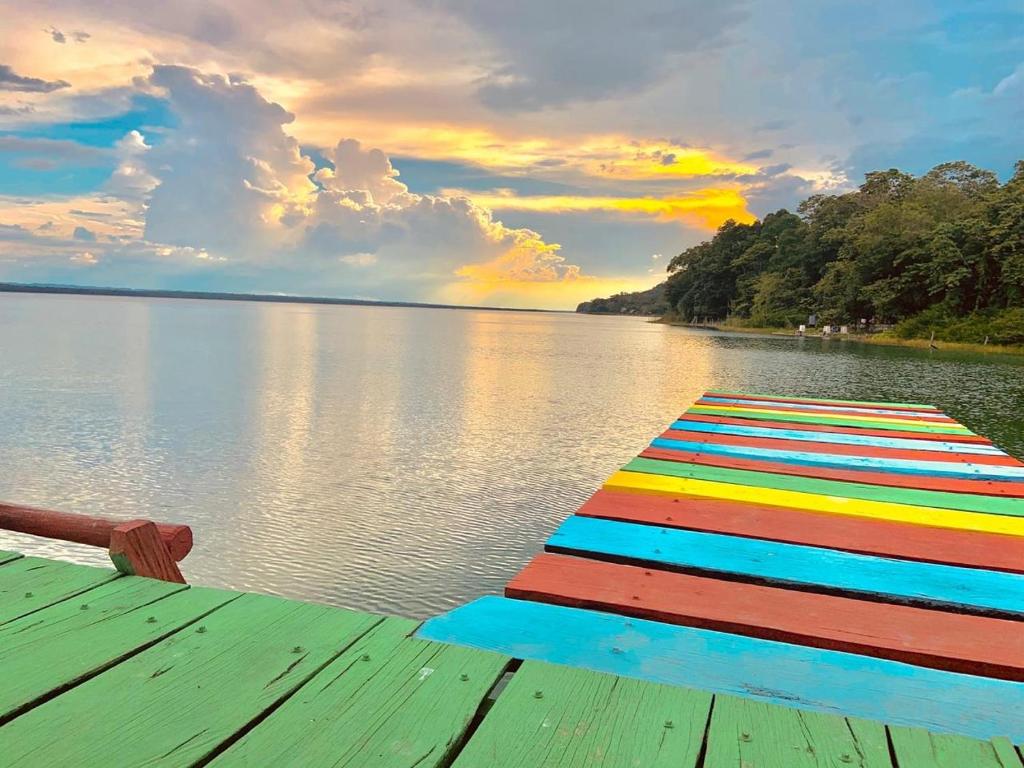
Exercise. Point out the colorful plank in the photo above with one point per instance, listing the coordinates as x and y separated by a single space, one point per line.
551 716
845 489
891 437
176 703
813 568
29 584
389 701
7 557
930 468
851 534
744 732
822 401
778 673
57 647
951 641
917 748
902 425
1008 488
813 411
814 407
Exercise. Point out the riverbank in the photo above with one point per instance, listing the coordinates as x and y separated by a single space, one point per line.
883 339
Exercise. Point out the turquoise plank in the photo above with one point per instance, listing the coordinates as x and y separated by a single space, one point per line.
951 469
813 407
827 570
779 673
905 443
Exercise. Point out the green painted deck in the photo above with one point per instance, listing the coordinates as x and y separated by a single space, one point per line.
98 669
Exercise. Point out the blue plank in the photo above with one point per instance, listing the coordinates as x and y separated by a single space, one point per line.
827 570
837 438
810 407
779 673
951 469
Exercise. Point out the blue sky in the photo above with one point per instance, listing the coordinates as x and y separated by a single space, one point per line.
532 154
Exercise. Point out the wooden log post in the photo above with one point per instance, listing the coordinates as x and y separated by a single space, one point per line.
136 549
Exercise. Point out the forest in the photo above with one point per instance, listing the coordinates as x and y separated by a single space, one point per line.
942 253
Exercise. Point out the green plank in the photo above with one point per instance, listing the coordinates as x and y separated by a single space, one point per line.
31 583
746 732
390 701
177 702
967 502
872 404
572 718
835 421
918 748
56 647
7 557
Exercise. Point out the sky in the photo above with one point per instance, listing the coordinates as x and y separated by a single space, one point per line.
526 154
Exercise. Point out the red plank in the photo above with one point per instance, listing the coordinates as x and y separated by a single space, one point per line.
951 641
889 479
844 403
862 535
743 422
1003 460
934 419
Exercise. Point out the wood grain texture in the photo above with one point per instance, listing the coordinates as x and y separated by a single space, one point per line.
842 488
917 748
177 702
1008 488
858 415
932 468
956 642
863 435
862 535
810 568
876 423
551 716
923 452
29 584
389 701
59 646
744 732
816 407
777 673
137 549
639 482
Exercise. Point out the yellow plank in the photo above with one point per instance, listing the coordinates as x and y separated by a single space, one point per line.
731 410
661 485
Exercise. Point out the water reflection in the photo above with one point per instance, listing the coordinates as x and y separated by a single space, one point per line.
396 460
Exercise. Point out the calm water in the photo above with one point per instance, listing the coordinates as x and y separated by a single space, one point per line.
396 460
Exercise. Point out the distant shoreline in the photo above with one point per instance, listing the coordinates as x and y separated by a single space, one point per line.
78 290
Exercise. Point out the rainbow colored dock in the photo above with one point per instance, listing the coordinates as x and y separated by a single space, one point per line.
858 559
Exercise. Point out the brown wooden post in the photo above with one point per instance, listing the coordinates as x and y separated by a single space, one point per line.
137 549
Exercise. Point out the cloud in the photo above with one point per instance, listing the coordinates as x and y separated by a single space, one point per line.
552 54
84 233
86 258
10 81
57 36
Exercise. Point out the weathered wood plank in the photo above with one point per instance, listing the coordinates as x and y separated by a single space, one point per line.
831 433
389 701
768 414
61 645
1010 488
927 454
956 642
813 568
821 400
640 482
8 557
744 732
814 407
31 583
779 673
858 414
177 702
917 748
962 470
862 535
552 716
848 490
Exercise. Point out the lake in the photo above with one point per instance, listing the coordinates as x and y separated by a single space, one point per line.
398 460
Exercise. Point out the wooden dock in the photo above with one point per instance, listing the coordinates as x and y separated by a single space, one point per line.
711 606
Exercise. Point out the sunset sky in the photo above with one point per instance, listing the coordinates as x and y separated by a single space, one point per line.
524 153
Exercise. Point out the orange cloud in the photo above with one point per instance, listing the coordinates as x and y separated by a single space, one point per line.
705 208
